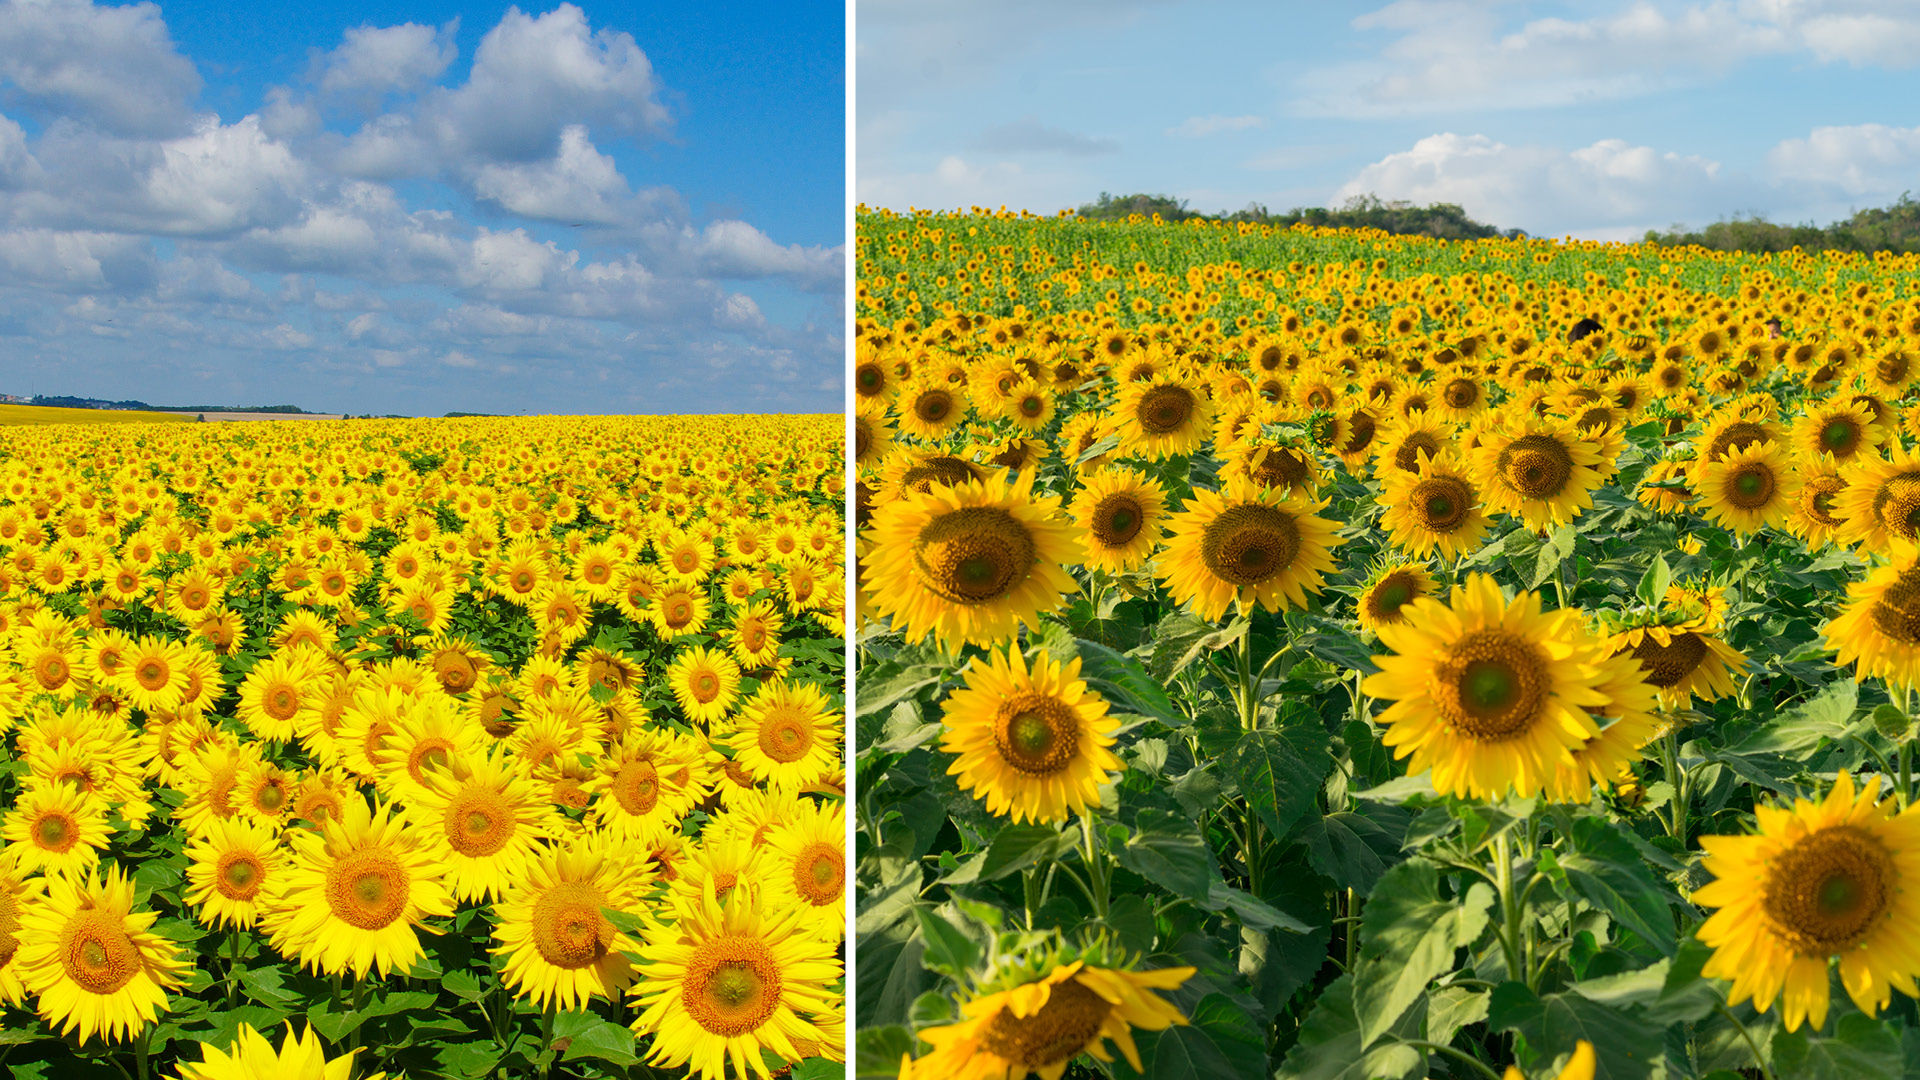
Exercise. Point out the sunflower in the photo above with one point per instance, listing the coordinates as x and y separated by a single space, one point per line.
807 855
706 683
1814 518
557 947
1732 428
969 563
251 1057
1405 443
787 735
1843 429
1879 632
754 637
1748 489
354 892
95 963
56 828
1050 1011
1122 516
152 675
233 872
725 982
1437 507
929 409
1665 489
1490 694
647 783
1033 743
1388 589
19 894
1679 655
1244 546
1818 881
1881 502
482 820
1541 471
1628 722
1161 417
277 689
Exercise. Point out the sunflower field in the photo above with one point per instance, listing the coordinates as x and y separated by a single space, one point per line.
1325 655
424 748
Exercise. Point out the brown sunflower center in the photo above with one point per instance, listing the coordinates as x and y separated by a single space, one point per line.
1751 486
732 986
1896 614
1246 545
367 889
636 787
97 952
1492 685
1441 503
1816 498
973 555
1036 734
1536 466
1665 665
280 702
1736 436
1117 519
1407 457
1897 505
479 822
1362 429
820 874
1164 410
56 831
1392 593
1840 436
238 874
1827 892
786 734
568 929
1055 1033
1281 468
1461 393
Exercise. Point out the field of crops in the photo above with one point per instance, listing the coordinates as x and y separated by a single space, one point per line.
49 414
1332 655
455 748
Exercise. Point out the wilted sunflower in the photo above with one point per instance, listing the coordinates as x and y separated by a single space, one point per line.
725 982
1665 489
969 563
1245 546
1879 632
1748 489
558 948
354 893
1818 881
1122 515
251 1057
1490 694
1033 743
1041 1012
1437 507
1540 471
95 963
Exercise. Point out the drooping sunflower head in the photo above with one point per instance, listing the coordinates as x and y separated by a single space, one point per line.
1814 517
1679 653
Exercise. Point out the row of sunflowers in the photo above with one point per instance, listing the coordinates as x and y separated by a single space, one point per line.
1332 655
457 748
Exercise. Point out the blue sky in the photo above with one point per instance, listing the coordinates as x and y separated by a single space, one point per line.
558 207
1599 120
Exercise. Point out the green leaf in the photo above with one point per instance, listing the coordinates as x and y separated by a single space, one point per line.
1451 1008
1653 583
1627 1044
877 1052
463 985
1013 849
1123 682
1280 772
1167 851
469 1059
1827 715
890 683
1355 847
819 1069
1605 870
1861 1049
1219 1040
1180 638
1252 910
623 922
583 1035
1409 936
1330 1046
949 950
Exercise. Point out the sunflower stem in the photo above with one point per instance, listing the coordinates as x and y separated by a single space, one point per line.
1759 1059
1458 1055
1096 870
140 1049
1030 890
1906 773
1677 779
233 968
546 1040
1509 907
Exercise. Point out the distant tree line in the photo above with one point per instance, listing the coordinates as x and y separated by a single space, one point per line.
64 401
1893 228
1442 221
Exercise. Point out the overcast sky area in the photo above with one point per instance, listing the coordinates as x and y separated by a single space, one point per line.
1597 120
605 208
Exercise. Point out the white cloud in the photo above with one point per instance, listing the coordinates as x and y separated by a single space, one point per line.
737 249
75 261
1870 160
1199 127
388 58
512 261
114 67
578 183
1609 187
222 178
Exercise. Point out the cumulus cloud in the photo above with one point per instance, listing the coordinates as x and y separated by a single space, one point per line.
1861 160
115 68
381 59
578 183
